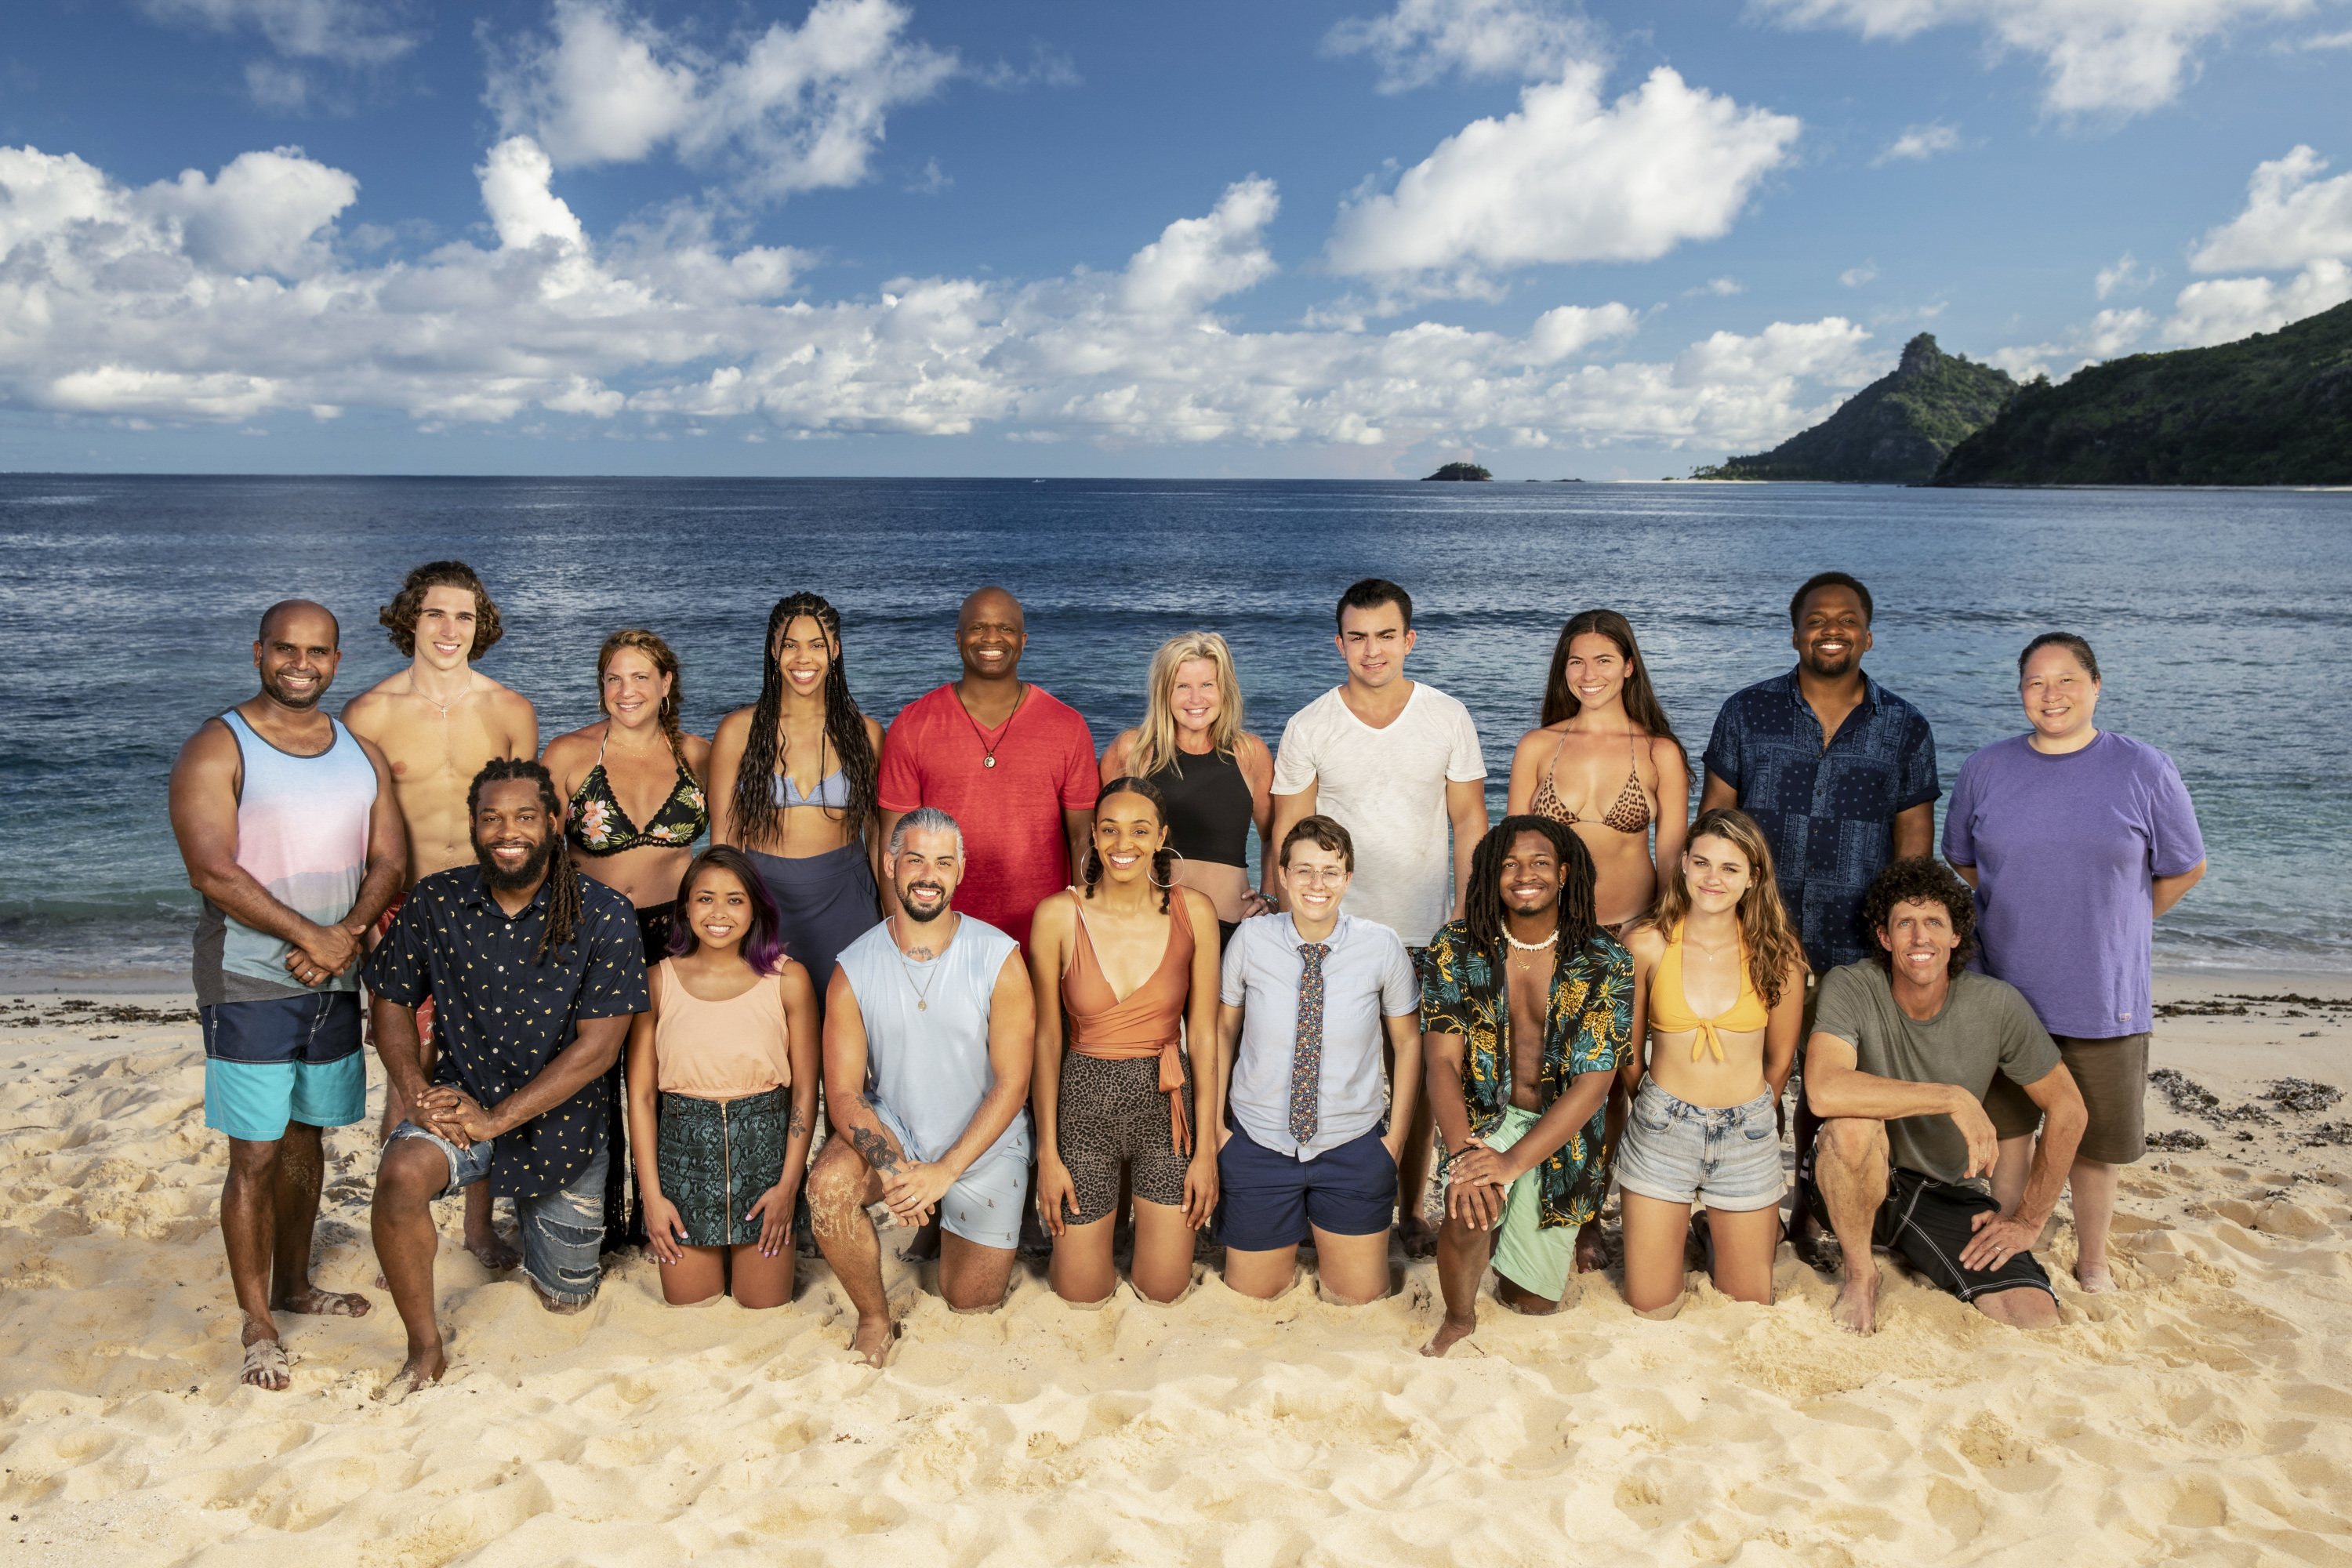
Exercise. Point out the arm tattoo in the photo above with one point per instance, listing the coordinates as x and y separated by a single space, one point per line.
875 1148
799 1124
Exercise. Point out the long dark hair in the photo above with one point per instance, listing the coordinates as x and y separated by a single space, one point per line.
564 895
756 813
1483 910
763 948
1640 702
1163 863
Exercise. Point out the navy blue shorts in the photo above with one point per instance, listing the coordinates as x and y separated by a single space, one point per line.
1270 1200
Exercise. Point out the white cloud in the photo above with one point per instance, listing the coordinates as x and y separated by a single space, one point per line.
1421 41
1722 288
1856 277
2101 56
1567 178
2316 41
2223 310
2104 336
1919 142
795 109
2291 217
126 304
2126 276
347 32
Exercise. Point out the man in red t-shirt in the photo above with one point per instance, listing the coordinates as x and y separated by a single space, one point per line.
1009 762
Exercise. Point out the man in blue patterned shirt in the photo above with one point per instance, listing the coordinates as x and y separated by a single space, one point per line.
1838 771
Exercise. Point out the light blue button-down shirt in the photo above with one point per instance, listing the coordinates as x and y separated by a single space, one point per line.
1367 976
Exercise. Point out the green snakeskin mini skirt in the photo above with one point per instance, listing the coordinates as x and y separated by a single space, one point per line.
717 1157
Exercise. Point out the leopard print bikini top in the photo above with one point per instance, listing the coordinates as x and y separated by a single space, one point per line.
1629 812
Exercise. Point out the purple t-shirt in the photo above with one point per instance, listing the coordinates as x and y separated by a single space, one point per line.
2065 849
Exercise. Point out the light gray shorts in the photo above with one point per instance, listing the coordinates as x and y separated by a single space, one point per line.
985 1203
1677 1153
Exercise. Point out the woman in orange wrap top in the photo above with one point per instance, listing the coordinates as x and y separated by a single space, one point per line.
1117 1098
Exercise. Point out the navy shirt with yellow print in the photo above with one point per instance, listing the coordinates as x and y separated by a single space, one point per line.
500 1014
1588 1027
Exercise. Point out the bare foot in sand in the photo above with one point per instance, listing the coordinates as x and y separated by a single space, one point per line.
418 1371
873 1339
265 1363
923 1248
1450 1332
2095 1278
491 1249
315 1302
1420 1239
1857 1308
1592 1248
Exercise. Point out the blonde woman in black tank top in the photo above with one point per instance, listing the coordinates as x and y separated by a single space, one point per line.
1216 776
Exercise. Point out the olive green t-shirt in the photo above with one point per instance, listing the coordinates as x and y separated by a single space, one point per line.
1986 1027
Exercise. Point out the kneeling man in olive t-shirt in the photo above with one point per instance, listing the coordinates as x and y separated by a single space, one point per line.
1902 1052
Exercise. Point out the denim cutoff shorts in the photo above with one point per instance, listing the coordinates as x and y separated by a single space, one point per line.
1677 1152
562 1232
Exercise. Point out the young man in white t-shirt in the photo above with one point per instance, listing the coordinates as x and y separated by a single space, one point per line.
1396 763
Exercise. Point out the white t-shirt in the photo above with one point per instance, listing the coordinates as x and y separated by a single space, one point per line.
1387 788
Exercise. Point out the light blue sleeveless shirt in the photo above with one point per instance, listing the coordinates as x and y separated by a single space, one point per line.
302 832
929 1064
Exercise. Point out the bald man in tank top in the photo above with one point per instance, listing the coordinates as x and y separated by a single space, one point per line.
436 723
930 1032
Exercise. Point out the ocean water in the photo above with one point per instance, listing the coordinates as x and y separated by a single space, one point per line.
2219 619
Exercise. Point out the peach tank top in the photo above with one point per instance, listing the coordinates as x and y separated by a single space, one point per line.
720 1050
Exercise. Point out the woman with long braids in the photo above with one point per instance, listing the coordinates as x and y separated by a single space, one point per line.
1604 761
793 780
632 783
1130 960
1719 976
1527 1009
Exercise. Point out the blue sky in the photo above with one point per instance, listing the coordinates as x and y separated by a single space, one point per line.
1311 239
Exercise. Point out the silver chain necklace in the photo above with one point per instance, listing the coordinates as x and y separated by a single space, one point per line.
923 992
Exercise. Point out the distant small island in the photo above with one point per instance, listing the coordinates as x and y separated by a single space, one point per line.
1461 472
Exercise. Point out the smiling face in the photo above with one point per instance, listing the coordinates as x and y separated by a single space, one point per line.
2060 696
1127 833
634 688
1920 935
1596 669
1530 875
1374 642
718 909
991 634
1317 879
925 870
514 833
1718 875
445 627
804 655
1832 633
1194 697
297 657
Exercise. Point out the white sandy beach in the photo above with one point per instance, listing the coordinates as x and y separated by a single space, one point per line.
2200 1414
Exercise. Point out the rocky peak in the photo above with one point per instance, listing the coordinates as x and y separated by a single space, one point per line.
1921 356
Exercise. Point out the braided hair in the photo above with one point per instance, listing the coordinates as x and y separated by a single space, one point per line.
1163 863
755 812
564 899
1483 910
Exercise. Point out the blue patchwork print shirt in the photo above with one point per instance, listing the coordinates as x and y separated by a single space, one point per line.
1828 813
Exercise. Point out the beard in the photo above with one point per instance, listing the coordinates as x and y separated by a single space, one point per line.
533 867
1544 904
1830 668
285 699
914 911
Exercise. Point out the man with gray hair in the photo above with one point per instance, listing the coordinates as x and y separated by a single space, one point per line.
930 1026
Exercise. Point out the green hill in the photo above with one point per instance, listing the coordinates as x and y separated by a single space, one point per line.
1894 431
2272 409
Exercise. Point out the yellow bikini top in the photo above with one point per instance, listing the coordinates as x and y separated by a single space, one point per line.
1670 1009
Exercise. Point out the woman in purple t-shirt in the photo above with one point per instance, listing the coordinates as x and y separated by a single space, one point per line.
2075 840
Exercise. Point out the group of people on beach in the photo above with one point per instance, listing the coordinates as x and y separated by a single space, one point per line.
1027 987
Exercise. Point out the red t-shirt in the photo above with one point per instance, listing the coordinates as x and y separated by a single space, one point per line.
1015 850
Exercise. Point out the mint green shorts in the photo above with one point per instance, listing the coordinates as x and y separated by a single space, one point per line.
1537 1260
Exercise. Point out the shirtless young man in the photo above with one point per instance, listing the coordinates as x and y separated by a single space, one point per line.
437 723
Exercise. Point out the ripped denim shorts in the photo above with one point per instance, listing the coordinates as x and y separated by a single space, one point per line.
562 1231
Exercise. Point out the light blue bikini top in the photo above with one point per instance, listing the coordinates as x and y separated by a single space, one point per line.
832 791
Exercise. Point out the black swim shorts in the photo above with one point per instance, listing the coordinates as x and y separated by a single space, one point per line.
1926 1223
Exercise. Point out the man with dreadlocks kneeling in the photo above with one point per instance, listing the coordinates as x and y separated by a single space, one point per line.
1526 1010
533 971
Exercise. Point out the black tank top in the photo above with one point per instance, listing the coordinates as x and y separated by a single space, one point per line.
1208 808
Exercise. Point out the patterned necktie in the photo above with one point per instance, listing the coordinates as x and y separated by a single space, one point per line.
1307 1054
